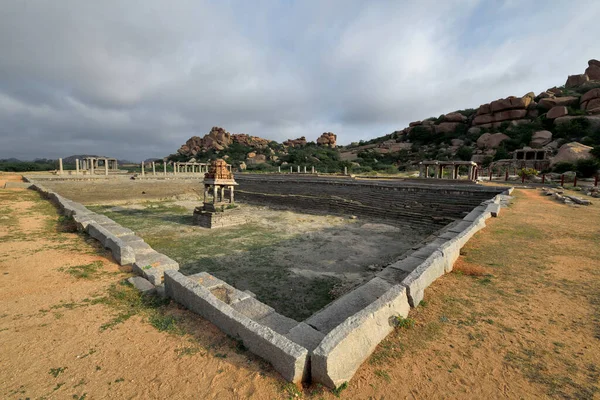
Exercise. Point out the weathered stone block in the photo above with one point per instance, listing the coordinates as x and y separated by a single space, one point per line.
418 280
279 323
306 336
153 265
347 305
288 358
494 209
98 232
252 308
117 229
344 349
122 253
142 284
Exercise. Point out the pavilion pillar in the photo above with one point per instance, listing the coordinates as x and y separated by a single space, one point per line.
105 167
222 193
60 166
214 194
421 170
231 194
164 168
440 171
91 166
153 168
455 174
312 169
143 173
427 172
76 166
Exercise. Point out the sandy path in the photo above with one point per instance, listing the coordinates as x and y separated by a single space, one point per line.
529 329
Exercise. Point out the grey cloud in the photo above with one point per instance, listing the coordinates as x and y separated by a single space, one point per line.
135 79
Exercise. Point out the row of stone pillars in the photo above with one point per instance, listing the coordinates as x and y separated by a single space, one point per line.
178 168
218 193
187 168
88 165
439 171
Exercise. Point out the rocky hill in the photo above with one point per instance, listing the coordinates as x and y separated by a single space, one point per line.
550 120
562 120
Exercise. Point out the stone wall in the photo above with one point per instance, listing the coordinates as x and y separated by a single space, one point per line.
399 203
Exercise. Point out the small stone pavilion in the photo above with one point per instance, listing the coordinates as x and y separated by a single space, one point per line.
218 209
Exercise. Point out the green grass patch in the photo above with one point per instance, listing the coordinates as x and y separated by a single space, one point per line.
85 271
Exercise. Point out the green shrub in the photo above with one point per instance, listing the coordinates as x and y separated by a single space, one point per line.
464 153
501 154
487 161
421 135
467 112
587 168
561 167
527 172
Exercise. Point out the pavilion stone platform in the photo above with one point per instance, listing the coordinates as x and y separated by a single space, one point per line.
219 210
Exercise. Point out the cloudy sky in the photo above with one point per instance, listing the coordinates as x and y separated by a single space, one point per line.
135 79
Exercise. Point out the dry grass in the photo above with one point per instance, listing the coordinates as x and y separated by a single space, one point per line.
465 268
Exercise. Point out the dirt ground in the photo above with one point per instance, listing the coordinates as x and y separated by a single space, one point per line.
123 189
296 263
522 320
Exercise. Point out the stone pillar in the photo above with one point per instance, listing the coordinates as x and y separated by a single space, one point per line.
291 170
312 169
105 167
231 194
76 166
60 166
279 169
153 168
426 171
345 170
440 172
298 169
164 168
222 193
214 194
91 166
421 170
143 173
205 192
305 169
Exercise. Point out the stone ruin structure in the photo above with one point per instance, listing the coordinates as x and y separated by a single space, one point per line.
439 166
330 345
213 212
92 164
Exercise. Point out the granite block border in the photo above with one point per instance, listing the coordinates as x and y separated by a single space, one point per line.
327 352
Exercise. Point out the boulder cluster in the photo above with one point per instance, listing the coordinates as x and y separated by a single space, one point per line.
579 98
512 108
327 139
301 141
219 139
